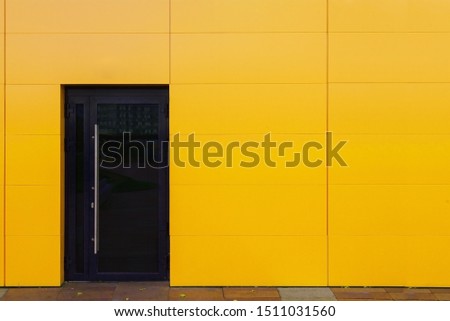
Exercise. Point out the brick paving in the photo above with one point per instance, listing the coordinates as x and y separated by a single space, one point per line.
161 291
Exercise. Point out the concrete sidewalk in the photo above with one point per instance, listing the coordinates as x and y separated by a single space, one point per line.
161 291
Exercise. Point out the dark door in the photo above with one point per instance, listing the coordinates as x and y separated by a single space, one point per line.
116 183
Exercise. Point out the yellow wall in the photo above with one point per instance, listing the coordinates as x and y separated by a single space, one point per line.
236 74
2 144
48 44
389 88
375 72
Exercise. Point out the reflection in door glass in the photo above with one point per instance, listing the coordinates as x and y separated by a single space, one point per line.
128 191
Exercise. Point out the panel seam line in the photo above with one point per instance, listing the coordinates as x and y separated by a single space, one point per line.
327 129
4 143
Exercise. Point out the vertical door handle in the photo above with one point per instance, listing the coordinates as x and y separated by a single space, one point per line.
96 190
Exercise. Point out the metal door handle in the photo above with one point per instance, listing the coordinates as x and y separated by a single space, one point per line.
96 188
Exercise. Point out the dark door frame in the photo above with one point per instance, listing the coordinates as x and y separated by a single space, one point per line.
88 96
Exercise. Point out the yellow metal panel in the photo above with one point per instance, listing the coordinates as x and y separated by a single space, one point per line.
2 163
62 181
393 159
382 57
389 210
389 261
33 260
248 16
28 214
248 260
389 108
248 58
389 16
249 109
2 112
85 16
2 15
2 57
248 210
34 109
61 259
2 238
2 261
2 141
33 159
2 211
237 174
88 59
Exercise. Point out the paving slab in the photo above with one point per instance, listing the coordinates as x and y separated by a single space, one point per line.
31 294
440 290
367 294
196 294
251 294
364 297
442 296
408 290
87 291
88 285
3 292
306 294
404 296
142 291
358 290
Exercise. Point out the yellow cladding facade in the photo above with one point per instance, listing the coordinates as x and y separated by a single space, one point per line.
376 73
